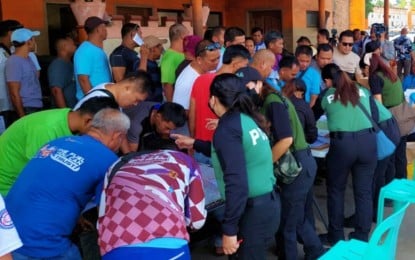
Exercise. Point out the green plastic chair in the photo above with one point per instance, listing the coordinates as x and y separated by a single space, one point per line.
382 243
398 190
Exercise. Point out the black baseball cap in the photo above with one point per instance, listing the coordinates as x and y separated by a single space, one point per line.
9 25
93 22
248 74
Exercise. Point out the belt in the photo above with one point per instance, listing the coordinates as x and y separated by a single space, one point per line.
261 199
341 134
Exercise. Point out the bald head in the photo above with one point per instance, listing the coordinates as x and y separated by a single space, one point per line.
263 55
263 61
177 31
65 47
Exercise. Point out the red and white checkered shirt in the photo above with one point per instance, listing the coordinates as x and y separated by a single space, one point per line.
154 195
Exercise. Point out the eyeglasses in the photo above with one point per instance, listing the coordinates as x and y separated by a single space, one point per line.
347 44
210 47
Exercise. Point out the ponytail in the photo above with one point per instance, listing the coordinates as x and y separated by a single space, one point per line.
346 90
232 94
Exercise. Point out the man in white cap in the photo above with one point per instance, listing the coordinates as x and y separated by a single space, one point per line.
91 64
21 74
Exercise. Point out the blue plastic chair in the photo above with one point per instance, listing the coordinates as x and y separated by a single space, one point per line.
398 190
382 243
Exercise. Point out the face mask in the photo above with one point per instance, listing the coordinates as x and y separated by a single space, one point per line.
137 39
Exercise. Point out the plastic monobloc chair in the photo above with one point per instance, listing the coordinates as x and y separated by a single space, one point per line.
398 190
382 243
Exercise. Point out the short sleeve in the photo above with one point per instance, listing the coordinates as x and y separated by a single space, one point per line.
117 60
376 84
9 238
277 113
55 72
168 74
82 63
12 70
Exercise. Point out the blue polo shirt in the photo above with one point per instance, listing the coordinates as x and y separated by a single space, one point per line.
312 80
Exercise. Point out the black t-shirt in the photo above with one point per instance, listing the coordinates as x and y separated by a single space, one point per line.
124 57
150 140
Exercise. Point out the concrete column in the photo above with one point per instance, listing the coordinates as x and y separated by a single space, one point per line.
357 14
197 17
322 13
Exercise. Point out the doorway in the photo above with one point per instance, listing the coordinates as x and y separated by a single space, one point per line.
267 20
61 23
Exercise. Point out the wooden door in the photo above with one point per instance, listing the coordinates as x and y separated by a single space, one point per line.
267 20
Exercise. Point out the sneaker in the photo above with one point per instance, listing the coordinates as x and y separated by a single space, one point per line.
324 238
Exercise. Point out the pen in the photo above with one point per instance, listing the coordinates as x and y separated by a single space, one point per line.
240 241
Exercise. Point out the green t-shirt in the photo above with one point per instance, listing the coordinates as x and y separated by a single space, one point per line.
384 113
299 142
170 60
20 142
347 118
392 92
255 148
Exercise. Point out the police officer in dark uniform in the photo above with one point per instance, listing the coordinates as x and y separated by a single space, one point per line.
242 160
287 133
352 149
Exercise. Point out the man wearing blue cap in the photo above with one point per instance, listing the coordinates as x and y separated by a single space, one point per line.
21 74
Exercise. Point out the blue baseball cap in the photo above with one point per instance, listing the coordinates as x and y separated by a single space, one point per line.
23 35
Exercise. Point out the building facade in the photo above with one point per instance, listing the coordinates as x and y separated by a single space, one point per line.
293 18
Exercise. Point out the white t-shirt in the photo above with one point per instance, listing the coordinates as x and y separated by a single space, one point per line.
5 103
183 86
347 62
93 93
9 239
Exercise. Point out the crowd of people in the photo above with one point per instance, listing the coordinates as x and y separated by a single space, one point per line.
127 133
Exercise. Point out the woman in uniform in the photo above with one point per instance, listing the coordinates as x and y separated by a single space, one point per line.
242 160
386 87
352 150
286 133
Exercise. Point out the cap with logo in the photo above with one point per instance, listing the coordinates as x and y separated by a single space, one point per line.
248 74
23 35
152 41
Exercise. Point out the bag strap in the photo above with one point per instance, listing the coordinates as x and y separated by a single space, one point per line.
106 91
374 124
123 160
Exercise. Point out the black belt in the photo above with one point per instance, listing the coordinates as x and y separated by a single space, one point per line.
341 134
261 199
